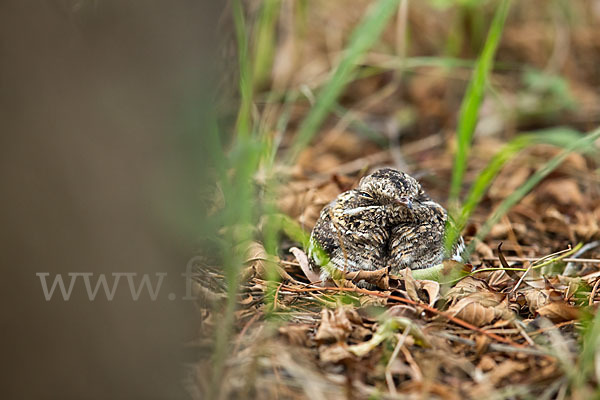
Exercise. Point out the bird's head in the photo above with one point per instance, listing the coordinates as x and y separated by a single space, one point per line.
390 188
384 198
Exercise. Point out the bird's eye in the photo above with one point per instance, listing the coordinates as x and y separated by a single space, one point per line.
366 195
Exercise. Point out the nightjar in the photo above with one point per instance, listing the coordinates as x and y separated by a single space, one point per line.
388 220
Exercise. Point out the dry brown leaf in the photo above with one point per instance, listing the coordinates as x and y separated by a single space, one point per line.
410 284
427 91
505 369
574 161
433 389
486 363
304 200
256 255
586 225
294 198
466 287
345 144
402 310
334 327
379 277
480 308
535 299
559 311
499 280
334 353
572 287
353 315
561 191
535 280
335 147
484 250
508 181
372 301
416 289
302 259
556 222
258 261
360 333
482 343
432 288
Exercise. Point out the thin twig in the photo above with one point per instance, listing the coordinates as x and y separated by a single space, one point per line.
243 332
523 333
493 346
446 315
388 374
418 377
570 268
276 295
523 259
559 325
521 278
546 260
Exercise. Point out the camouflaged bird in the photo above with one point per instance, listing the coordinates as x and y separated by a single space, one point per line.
388 220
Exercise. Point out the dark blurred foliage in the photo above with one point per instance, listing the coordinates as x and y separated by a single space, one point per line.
103 107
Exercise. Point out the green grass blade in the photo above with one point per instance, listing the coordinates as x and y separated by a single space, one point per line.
362 38
280 128
469 109
560 137
589 348
264 43
580 145
243 161
245 79
420 62
360 127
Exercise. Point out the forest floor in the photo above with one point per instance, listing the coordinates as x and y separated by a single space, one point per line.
520 324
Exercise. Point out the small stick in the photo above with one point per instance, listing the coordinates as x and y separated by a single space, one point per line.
243 332
522 277
446 315
559 325
411 361
276 295
575 260
388 374
523 333
493 346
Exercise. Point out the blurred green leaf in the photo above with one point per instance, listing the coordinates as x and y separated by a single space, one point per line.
245 77
469 109
560 137
444 4
264 43
582 144
543 95
362 38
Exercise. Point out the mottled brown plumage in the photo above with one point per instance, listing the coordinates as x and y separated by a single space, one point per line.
388 220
